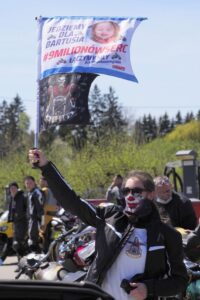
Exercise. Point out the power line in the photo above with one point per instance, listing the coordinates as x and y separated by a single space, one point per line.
130 106
32 102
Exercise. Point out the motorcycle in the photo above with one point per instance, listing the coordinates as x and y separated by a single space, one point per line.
193 288
76 252
191 246
59 224
42 267
6 237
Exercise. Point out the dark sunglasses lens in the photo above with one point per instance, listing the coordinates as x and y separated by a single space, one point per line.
126 191
136 190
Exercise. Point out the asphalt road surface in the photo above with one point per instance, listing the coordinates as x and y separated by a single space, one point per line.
7 269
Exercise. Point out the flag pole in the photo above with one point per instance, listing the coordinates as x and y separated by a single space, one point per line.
36 136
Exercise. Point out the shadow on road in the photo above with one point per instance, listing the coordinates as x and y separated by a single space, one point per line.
9 263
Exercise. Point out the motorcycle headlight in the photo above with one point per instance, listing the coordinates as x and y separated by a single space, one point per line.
3 228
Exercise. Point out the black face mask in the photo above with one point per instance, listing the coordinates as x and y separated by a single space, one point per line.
142 212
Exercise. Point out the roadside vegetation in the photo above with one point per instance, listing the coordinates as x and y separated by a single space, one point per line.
89 156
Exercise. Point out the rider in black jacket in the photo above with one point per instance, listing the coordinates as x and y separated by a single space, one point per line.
175 208
18 215
36 213
163 273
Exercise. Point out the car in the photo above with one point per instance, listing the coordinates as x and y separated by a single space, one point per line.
51 290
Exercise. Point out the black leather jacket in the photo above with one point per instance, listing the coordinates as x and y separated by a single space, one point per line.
18 208
180 211
164 244
36 204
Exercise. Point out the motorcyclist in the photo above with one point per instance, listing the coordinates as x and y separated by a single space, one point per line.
114 193
35 211
18 215
175 208
120 231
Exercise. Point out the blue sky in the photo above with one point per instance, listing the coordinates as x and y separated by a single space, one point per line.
165 52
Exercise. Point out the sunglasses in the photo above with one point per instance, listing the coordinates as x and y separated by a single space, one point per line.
136 190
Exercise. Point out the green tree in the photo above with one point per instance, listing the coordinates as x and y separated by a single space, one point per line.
189 117
164 125
14 125
172 125
152 128
3 147
97 108
178 118
112 119
198 115
138 133
106 115
149 127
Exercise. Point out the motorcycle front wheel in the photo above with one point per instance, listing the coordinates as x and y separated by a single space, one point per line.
4 248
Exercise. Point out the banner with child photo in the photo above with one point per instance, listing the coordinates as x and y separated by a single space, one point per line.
86 44
71 52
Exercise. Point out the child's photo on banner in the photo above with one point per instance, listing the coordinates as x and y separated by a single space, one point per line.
104 32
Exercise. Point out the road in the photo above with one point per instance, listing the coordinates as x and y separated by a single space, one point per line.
7 269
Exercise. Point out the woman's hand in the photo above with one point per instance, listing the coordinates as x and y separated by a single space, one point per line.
37 156
139 292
